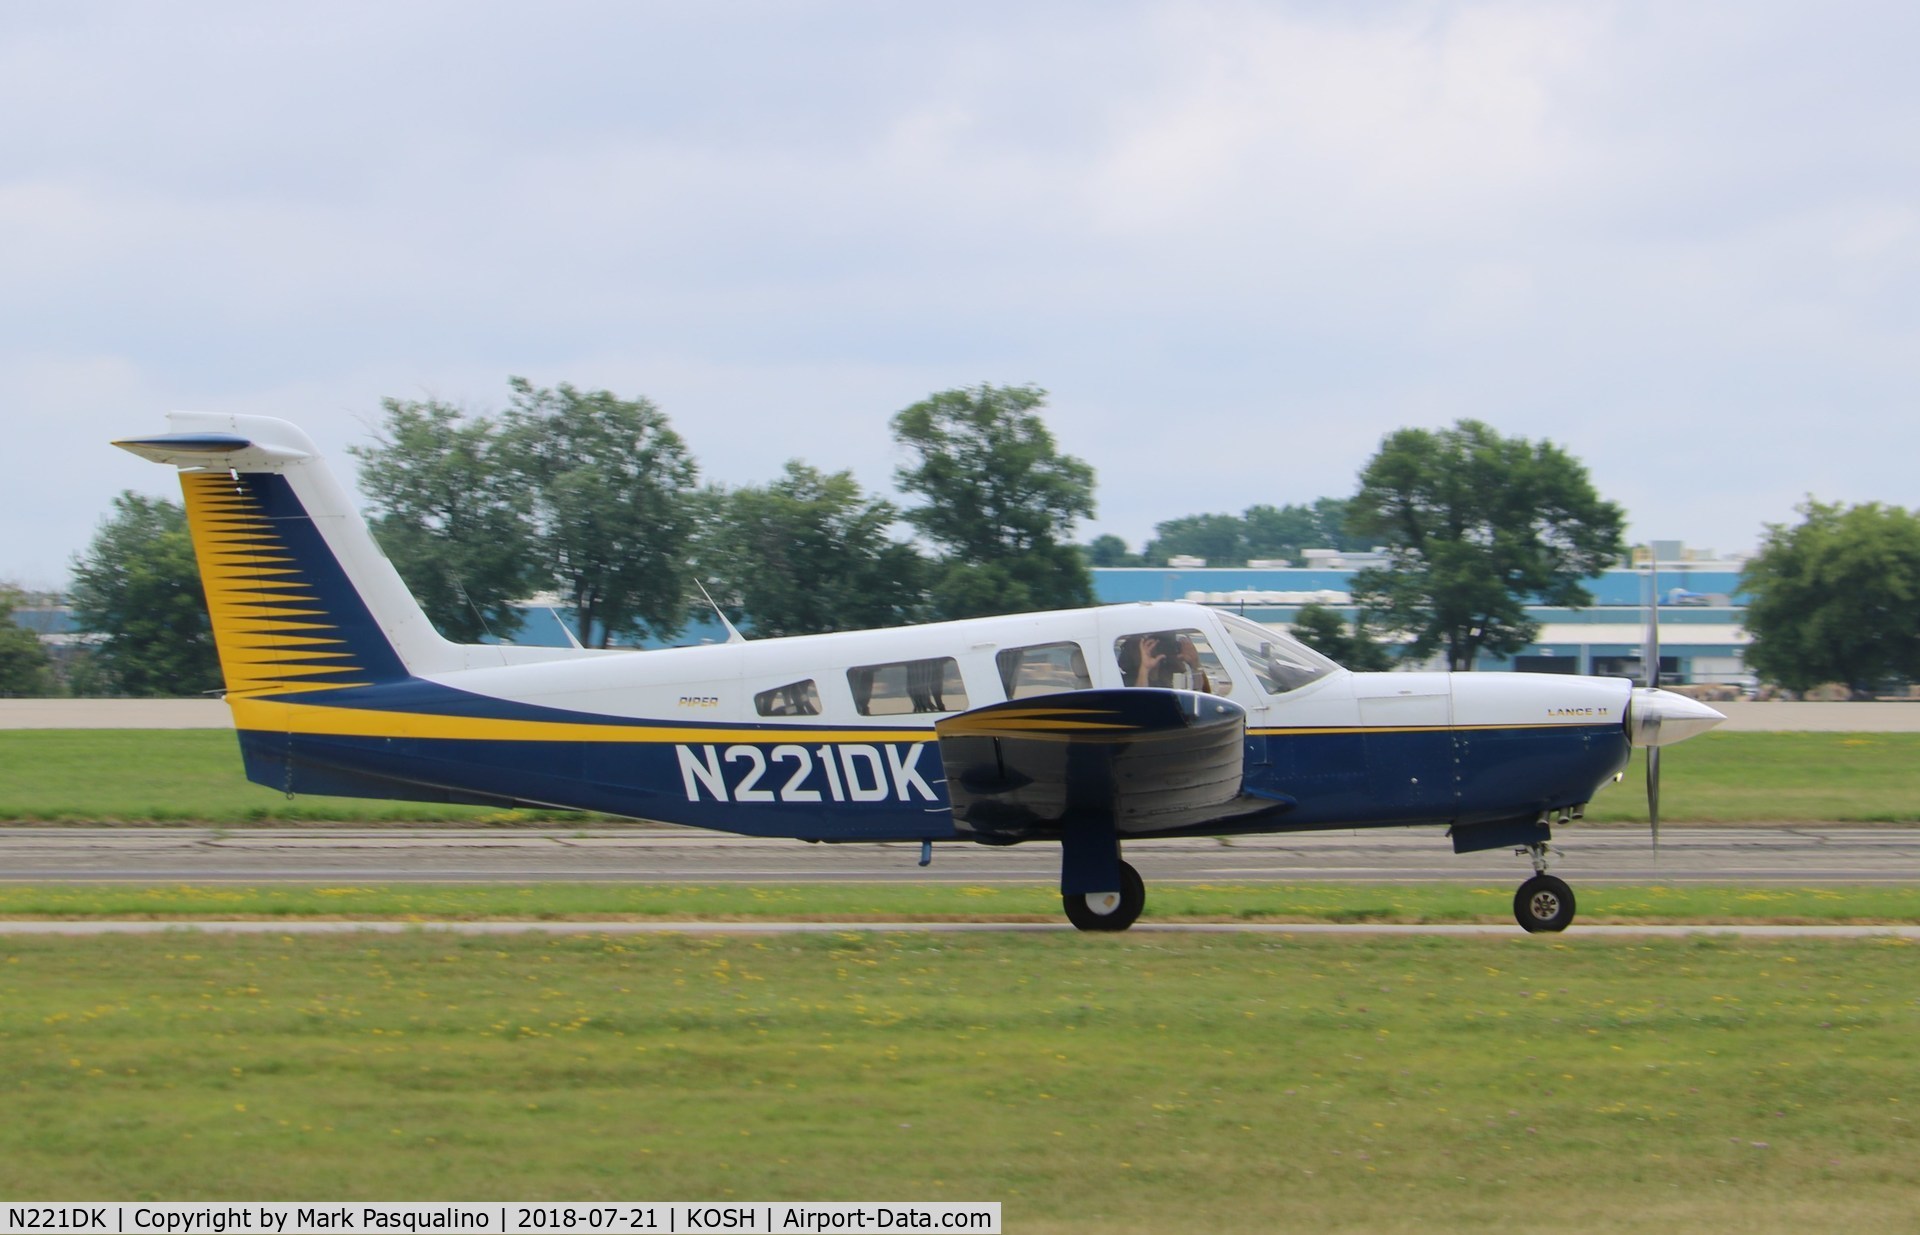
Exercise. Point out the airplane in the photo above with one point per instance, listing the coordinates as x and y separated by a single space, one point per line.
1089 728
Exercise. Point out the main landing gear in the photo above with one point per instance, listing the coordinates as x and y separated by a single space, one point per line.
1543 902
1108 911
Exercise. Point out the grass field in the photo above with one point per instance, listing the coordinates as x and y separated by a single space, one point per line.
194 775
1740 777
923 902
1088 1083
179 776
1136 1083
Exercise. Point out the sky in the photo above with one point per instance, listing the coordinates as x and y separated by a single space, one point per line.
1237 243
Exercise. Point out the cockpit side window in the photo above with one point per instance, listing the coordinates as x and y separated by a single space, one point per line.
911 686
1176 659
1044 669
1280 662
794 699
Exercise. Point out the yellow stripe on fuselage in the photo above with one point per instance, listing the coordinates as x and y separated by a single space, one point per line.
1482 728
274 716
271 716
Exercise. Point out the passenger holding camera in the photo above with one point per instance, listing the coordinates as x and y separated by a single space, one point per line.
1166 660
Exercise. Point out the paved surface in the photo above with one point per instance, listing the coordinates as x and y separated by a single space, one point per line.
1819 717
213 714
115 714
930 928
1787 854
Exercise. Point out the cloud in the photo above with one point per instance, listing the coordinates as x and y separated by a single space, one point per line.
1239 242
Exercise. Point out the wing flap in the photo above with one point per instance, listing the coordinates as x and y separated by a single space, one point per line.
1152 760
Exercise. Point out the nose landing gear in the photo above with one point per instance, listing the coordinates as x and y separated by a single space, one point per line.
1543 903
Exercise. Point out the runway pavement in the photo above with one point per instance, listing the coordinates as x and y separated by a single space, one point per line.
1784 854
218 927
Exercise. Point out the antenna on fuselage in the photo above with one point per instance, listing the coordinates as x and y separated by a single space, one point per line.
733 635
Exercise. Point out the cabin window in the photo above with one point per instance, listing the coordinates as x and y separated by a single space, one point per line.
1175 659
1280 662
908 686
1045 669
793 699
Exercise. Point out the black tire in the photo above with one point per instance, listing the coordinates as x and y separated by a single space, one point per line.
1543 903
1133 898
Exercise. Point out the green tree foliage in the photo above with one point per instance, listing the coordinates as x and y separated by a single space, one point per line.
1332 528
1220 539
1262 532
25 669
1280 532
1326 632
449 506
1110 550
1000 501
1478 526
1836 598
810 553
139 586
611 488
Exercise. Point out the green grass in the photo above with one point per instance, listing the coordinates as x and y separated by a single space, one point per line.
1739 777
181 776
1088 1083
908 902
194 775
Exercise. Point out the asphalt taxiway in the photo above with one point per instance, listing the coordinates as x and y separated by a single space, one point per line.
95 927
1783 854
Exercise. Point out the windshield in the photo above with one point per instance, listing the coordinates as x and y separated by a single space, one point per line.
1280 662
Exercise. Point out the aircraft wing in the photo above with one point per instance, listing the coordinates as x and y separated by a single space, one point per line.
1154 761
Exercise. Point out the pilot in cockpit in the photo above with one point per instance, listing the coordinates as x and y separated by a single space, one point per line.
1165 659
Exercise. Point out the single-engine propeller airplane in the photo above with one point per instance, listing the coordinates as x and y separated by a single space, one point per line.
1086 727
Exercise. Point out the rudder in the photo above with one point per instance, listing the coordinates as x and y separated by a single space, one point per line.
300 598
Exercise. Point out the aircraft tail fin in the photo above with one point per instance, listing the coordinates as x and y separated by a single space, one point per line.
301 597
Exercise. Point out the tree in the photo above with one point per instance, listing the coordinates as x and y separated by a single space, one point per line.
810 553
1477 526
138 586
450 508
1331 521
1326 632
1001 501
1220 539
25 668
611 491
1281 531
1261 532
1835 598
1110 550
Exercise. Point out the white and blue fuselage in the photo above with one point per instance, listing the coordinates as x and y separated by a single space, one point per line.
1087 726
674 736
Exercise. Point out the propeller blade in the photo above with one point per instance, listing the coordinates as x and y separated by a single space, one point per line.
1651 655
1653 798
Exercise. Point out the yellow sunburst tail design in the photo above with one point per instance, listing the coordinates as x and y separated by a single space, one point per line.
301 598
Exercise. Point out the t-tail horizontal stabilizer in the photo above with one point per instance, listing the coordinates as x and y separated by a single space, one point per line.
301 599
